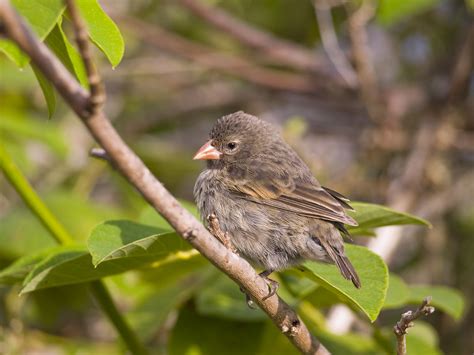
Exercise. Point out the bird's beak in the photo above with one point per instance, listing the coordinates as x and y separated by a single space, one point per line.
207 152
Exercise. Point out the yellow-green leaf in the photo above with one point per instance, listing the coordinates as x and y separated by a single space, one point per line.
373 274
102 30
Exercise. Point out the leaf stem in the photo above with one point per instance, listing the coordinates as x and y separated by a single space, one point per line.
106 302
31 198
59 233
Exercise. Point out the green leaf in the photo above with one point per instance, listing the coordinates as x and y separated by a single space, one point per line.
398 292
102 30
349 343
196 334
18 270
114 240
162 289
21 127
222 298
69 265
47 89
392 11
371 216
58 42
445 298
422 339
41 15
373 274
116 247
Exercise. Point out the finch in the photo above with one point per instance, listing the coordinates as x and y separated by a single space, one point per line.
266 199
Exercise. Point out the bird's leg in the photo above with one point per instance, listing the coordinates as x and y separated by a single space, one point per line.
272 288
217 232
272 284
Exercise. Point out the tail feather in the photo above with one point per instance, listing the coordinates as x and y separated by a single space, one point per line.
343 263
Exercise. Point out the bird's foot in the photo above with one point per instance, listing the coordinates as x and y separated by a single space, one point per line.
272 284
272 288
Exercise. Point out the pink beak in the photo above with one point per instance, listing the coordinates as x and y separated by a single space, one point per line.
207 152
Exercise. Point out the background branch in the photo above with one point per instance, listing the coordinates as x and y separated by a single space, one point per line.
365 70
322 9
133 169
285 52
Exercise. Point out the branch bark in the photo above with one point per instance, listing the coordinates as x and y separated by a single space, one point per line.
406 321
133 169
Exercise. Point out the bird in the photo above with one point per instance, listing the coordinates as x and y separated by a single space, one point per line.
265 198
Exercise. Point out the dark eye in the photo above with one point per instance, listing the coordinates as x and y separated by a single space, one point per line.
232 145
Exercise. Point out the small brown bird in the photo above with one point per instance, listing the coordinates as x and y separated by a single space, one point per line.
265 197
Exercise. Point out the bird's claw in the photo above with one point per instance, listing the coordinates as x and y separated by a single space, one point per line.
272 286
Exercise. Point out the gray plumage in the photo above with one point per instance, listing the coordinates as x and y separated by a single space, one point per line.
275 211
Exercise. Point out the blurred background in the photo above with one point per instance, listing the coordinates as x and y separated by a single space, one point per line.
377 97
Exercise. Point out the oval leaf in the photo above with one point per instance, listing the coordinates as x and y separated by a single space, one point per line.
398 292
445 298
116 247
122 239
371 216
58 42
102 30
47 89
20 268
373 274
41 15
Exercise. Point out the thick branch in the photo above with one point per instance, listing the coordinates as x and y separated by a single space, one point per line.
133 169
278 49
406 321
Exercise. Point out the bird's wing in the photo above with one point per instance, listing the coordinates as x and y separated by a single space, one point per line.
302 198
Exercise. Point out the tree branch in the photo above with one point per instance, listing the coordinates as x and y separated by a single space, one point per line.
283 51
133 169
96 88
365 70
406 321
232 64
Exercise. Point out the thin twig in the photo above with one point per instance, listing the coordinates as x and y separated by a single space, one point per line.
99 153
285 52
133 169
406 321
217 232
96 88
322 10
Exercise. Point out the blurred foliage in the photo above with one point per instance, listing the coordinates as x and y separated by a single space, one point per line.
175 299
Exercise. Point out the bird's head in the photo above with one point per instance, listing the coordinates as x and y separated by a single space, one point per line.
236 138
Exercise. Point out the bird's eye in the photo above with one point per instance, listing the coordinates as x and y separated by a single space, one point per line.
232 145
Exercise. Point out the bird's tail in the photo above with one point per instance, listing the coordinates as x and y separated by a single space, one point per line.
343 263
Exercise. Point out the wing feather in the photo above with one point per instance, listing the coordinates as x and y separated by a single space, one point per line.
301 198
